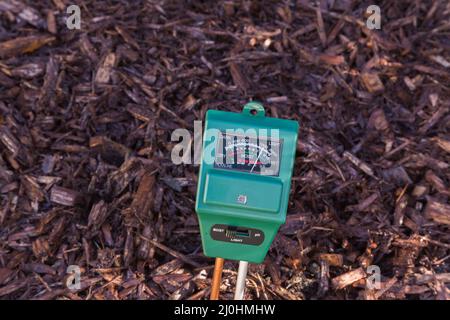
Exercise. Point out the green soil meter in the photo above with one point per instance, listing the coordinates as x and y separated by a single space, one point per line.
244 181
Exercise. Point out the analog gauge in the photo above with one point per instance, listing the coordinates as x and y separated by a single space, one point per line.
259 155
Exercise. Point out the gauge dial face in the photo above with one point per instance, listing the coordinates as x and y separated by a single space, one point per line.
258 155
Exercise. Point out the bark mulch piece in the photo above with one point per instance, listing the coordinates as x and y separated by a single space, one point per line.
86 117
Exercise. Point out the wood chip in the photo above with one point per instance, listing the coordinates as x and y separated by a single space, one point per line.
23 45
98 214
348 278
372 82
332 259
143 199
64 196
438 211
239 80
444 144
331 60
437 115
357 162
105 70
140 112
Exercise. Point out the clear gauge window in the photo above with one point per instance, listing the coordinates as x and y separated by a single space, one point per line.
253 154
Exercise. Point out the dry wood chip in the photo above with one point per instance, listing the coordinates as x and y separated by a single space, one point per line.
32 16
167 267
118 180
105 70
321 27
140 112
432 71
98 214
24 12
128 249
77 105
407 252
39 268
364 204
182 293
28 70
171 282
444 144
324 278
106 230
303 30
32 187
57 231
144 196
378 120
23 45
9 140
400 209
348 278
372 82
419 191
332 259
409 83
238 78
189 102
146 250
70 148
359 163
51 22
412 242
436 182
438 211
426 278
441 60
437 115
286 294
59 4
384 287
331 60
49 87
280 99
64 196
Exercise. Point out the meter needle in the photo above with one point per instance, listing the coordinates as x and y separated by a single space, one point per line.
217 279
256 161
240 282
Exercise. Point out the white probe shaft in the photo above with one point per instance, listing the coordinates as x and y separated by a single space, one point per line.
240 282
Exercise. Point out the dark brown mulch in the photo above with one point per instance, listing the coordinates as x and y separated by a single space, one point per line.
85 142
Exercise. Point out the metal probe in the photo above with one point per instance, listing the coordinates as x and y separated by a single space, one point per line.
240 282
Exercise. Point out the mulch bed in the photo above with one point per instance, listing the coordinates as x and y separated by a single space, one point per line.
86 118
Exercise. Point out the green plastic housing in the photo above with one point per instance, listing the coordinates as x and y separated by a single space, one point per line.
266 196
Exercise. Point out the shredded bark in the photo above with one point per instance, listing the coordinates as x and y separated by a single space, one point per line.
86 117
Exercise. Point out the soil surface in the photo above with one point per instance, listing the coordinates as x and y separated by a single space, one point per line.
86 118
